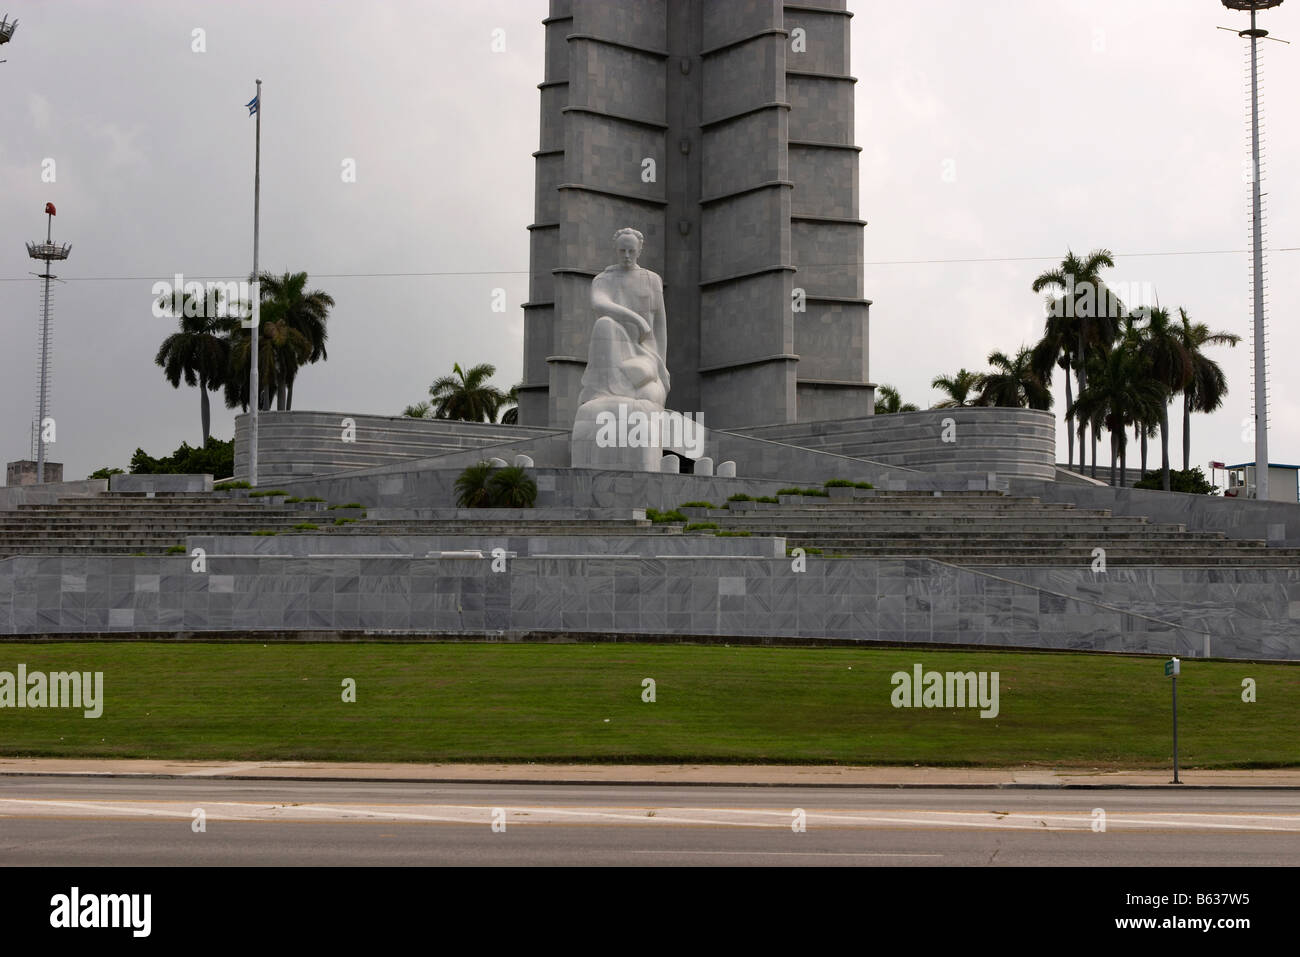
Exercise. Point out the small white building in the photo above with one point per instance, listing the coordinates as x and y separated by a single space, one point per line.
1283 482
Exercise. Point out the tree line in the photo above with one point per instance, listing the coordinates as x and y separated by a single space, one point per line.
212 349
1128 364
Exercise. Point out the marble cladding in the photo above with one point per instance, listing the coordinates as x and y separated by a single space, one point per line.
903 600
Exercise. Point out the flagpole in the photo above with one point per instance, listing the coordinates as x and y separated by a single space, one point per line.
254 391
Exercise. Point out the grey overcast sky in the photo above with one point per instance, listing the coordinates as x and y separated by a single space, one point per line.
995 130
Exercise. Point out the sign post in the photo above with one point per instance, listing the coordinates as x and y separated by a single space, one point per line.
1172 668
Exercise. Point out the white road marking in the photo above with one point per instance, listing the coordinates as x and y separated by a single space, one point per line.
770 818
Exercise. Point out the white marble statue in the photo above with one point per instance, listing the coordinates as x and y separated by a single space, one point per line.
626 380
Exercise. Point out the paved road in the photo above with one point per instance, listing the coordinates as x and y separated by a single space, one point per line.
114 821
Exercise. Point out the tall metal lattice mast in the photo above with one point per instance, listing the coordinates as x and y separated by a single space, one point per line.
47 252
1257 276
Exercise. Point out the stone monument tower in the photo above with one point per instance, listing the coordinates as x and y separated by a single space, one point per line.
723 129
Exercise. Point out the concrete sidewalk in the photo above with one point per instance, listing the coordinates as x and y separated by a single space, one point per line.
649 774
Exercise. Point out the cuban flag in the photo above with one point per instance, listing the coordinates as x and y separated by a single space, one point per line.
252 106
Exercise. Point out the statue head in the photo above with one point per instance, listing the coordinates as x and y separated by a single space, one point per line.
628 243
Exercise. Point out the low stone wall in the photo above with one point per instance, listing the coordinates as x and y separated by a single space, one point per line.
519 545
50 492
892 600
298 444
160 483
1237 607
1012 442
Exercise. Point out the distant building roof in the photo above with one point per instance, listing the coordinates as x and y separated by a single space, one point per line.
1272 465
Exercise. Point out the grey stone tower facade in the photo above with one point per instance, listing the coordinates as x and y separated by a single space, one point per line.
723 131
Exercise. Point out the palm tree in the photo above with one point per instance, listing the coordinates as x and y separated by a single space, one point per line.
472 486
1014 383
420 410
511 415
304 312
1056 350
958 388
467 396
1169 364
511 487
1119 392
1208 386
280 349
1088 308
1148 428
889 401
200 352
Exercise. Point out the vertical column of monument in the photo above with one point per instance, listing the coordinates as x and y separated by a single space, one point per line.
747 362
613 123
830 335
544 233
684 91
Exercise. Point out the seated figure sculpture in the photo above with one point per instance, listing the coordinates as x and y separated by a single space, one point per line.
626 379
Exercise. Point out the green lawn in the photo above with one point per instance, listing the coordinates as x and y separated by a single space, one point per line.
582 702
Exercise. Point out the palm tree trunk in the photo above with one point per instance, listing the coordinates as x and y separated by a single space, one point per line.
1069 423
1144 448
288 401
1123 461
1187 433
1114 454
1164 447
205 410
1083 385
280 393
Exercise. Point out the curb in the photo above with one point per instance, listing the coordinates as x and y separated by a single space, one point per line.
565 782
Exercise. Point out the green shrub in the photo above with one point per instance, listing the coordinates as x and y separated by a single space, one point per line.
863 485
697 505
838 483
215 458
292 501
804 491
265 531
699 526
267 493
313 498
740 497
306 527
345 521
176 550
659 518
349 505
104 473
229 486
770 499
510 487
484 486
726 534
471 486
1192 480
